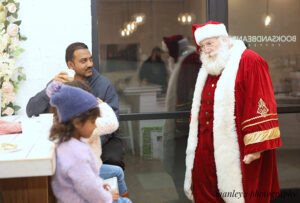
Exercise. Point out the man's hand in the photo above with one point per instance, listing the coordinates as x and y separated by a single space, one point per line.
63 77
251 157
144 82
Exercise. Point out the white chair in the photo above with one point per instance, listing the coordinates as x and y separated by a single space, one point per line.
126 126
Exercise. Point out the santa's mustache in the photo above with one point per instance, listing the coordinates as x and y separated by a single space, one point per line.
214 65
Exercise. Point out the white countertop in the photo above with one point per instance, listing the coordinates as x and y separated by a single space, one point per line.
35 154
142 89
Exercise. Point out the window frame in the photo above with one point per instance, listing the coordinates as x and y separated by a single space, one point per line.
217 10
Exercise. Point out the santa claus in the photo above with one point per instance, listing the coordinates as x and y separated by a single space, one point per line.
234 130
184 64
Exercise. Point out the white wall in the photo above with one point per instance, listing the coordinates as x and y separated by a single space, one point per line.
50 26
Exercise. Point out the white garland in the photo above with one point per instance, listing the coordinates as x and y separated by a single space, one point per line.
10 37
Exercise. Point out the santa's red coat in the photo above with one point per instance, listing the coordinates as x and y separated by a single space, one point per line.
186 80
233 115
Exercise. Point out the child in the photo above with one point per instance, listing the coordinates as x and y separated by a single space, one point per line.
107 123
76 178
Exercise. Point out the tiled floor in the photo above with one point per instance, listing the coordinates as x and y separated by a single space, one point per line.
154 181
288 163
149 182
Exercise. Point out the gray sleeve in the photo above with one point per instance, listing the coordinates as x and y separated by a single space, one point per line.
38 104
105 138
112 99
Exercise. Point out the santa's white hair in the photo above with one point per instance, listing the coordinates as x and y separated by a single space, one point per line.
215 62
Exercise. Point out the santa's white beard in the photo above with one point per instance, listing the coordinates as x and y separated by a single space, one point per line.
214 63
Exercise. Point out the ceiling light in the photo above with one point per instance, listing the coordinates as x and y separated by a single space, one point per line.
267 20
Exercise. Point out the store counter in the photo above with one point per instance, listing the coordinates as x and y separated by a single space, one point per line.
27 160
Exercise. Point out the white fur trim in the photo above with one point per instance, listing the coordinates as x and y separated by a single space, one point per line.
193 139
226 147
227 155
208 31
164 46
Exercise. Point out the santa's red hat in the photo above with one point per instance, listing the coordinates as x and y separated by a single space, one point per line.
208 30
172 45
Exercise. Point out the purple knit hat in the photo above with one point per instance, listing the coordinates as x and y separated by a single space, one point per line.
69 101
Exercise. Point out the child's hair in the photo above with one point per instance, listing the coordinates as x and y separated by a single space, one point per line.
80 84
70 103
61 132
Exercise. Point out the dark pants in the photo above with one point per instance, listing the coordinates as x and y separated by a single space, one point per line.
113 152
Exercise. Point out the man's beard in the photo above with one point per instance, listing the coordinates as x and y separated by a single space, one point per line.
214 63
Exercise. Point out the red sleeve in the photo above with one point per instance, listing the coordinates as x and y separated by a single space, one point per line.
259 120
186 81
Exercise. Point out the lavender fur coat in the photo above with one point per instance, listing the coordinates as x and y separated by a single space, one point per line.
76 178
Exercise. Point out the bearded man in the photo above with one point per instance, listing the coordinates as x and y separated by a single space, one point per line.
79 59
234 130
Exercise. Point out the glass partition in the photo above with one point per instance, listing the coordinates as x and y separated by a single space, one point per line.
271 28
132 55
154 161
155 149
272 31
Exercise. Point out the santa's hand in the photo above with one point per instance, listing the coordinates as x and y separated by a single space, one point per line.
251 157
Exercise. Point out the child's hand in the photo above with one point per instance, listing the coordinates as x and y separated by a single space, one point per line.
99 100
251 157
115 195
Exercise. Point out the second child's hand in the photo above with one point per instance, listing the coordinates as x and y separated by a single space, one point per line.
99 100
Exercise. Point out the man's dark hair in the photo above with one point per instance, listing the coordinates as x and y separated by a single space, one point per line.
246 44
72 48
156 49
